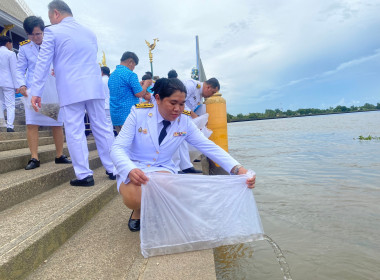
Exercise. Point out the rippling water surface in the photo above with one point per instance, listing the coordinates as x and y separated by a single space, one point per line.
318 193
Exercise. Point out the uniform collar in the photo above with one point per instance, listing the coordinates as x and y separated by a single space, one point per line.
68 19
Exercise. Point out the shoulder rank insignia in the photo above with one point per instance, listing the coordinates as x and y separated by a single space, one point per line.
24 42
198 86
186 112
144 105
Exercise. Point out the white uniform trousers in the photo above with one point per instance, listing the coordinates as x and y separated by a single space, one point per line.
109 121
8 95
73 116
181 157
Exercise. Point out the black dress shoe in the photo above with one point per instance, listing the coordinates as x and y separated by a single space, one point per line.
85 182
133 224
33 163
10 129
110 175
62 159
197 160
191 170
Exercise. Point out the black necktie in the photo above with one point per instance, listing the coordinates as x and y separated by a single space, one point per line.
163 131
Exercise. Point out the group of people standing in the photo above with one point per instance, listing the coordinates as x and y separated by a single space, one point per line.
150 132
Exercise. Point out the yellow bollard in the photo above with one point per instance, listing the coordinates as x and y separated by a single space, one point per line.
217 122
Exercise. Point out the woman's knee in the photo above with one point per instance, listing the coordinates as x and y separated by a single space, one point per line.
131 195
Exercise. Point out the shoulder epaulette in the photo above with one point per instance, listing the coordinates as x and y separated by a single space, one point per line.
187 113
144 105
198 85
24 42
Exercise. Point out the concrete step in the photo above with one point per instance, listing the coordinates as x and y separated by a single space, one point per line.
105 249
20 127
18 159
20 185
7 145
34 229
22 135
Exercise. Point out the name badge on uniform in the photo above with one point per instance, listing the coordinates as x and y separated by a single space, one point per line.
175 134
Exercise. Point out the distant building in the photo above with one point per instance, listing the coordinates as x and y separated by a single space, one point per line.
14 12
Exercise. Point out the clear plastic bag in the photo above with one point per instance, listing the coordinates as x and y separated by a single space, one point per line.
181 213
49 99
200 122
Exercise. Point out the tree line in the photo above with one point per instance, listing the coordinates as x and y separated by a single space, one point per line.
277 113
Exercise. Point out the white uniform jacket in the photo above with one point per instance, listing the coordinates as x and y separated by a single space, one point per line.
72 48
136 146
194 94
27 58
8 61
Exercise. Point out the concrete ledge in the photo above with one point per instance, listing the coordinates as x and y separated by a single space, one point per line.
7 145
18 159
27 251
22 135
21 185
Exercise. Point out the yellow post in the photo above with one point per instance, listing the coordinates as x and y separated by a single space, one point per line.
217 122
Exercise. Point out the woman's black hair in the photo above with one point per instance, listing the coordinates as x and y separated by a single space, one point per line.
31 22
166 87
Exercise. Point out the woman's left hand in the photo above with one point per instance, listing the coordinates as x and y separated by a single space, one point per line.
251 181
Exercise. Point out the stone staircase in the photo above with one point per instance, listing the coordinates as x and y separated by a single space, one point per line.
39 210
51 230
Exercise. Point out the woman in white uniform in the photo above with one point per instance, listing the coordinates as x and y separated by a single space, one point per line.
27 58
149 138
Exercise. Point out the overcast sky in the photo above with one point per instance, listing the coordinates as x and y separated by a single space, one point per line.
266 54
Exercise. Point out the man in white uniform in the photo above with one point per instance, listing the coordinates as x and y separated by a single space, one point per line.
73 48
8 80
195 92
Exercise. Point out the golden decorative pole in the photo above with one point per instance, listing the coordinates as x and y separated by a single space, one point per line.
7 27
151 48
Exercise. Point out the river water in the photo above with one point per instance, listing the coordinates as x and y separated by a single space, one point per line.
318 194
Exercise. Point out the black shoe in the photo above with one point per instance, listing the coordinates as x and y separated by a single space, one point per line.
62 159
33 163
133 224
110 175
181 172
85 182
191 170
10 129
197 160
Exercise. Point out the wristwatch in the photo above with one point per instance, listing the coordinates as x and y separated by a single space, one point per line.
235 170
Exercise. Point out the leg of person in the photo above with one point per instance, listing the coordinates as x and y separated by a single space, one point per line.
131 195
102 134
109 121
58 141
2 118
185 164
32 136
9 96
73 116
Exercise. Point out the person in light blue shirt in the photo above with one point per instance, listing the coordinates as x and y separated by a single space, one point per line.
125 89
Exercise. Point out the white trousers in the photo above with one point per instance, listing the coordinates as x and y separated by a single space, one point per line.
181 157
109 121
7 95
73 116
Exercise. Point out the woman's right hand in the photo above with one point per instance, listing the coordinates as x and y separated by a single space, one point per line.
137 176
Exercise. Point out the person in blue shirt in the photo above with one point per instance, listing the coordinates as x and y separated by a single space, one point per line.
125 89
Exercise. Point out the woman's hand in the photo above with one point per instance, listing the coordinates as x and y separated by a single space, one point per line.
137 176
251 181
